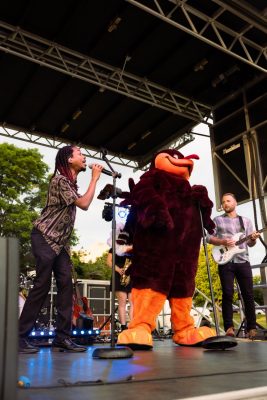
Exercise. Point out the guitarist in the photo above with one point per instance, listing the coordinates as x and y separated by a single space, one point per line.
227 225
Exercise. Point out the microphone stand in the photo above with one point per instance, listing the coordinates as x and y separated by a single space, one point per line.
215 342
120 351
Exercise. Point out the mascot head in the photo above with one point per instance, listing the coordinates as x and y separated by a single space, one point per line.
174 162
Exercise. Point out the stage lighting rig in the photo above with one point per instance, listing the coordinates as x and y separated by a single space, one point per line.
107 213
108 191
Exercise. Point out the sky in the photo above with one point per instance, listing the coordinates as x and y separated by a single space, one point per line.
93 231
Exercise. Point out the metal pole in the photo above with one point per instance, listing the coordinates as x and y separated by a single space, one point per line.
113 263
209 275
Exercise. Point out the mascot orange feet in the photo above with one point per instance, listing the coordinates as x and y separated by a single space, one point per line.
185 333
147 305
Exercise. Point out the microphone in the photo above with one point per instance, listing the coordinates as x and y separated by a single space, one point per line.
107 172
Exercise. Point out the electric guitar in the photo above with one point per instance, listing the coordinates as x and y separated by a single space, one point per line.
223 254
81 307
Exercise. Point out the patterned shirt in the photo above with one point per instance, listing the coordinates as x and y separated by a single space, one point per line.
57 219
228 227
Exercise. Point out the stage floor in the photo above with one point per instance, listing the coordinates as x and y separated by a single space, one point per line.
167 372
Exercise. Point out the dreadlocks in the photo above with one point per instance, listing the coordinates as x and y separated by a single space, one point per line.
62 164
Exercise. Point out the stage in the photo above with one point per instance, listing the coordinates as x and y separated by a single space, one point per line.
168 372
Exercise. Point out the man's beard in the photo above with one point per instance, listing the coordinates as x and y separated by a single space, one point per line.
229 209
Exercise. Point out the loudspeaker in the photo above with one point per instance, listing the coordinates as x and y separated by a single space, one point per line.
231 172
9 251
262 146
239 141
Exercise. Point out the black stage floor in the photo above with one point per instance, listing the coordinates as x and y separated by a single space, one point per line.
167 372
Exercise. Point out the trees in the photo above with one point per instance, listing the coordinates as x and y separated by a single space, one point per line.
92 270
202 281
24 182
23 187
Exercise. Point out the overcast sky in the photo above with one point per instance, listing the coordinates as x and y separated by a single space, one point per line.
93 229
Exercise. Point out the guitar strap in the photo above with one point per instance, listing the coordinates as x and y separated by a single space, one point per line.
241 223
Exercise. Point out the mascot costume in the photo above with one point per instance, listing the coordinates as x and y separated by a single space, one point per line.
166 242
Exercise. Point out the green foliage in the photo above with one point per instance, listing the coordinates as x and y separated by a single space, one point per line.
92 270
202 281
258 293
23 186
24 183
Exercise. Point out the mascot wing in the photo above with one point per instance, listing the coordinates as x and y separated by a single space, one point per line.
200 196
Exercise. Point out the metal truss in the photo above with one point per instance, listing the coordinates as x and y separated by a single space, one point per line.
186 138
23 44
56 143
194 22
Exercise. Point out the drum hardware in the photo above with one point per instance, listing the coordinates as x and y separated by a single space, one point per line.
22 300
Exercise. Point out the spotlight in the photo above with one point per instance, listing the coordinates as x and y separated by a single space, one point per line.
107 213
123 212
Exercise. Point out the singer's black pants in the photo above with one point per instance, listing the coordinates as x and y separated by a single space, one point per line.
243 274
47 261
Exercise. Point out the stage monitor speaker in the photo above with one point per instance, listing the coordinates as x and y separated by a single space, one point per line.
9 317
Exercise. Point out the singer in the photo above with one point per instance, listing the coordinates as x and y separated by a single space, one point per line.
49 239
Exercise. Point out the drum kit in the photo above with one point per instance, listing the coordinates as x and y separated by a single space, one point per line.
47 315
25 283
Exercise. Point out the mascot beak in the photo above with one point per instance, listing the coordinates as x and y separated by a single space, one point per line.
182 167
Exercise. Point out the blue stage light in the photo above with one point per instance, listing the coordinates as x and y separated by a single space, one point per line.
90 332
33 333
82 332
74 332
42 333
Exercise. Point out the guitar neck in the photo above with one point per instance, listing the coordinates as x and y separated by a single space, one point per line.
77 291
245 239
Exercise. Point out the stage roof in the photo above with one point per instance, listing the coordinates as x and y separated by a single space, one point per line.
128 76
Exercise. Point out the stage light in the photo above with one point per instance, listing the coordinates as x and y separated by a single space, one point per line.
65 127
75 333
123 212
107 213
